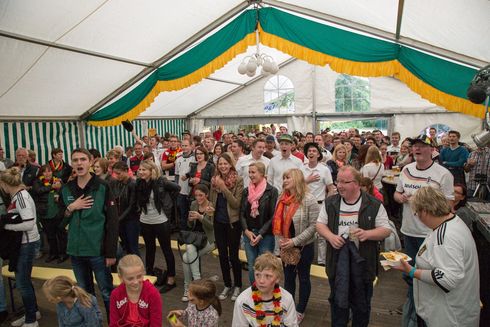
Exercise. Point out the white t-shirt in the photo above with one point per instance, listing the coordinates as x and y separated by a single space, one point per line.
449 292
411 179
376 171
393 150
277 166
244 310
245 161
152 217
23 204
349 217
182 167
318 187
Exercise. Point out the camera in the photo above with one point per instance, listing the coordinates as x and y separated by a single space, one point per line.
480 178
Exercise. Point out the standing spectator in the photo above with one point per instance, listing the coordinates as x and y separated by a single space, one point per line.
22 210
90 211
226 197
28 172
256 155
101 169
124 189
134 161
237 148
394 148
325 153
46 190
339 160
454 157
60 169
351 151
373 167
257 209
433 136
405 157
6 161
478 167
422 172
294 224
351 213
385 158
280 163
3 301
446 276
170 155
209 144
270 145
182 167
155 203
297 152
32 158
201 171
217 151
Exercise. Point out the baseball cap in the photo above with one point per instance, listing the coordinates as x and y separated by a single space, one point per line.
270 138
422 138
285 138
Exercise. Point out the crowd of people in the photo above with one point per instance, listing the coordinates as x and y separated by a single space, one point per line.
276 194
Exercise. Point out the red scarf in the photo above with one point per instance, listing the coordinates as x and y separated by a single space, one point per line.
255 192
56 167
283 218
229 179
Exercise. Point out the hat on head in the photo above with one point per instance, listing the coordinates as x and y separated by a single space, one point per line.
285 138
315 145
422 138
127 125
270 138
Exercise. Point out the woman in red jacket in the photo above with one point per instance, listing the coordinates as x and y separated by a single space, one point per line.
136 302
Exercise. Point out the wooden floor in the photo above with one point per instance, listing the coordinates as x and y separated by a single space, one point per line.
388 298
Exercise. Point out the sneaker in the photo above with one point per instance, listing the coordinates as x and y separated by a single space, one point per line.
21 321
300 317
185 297
225 293
236 293
31 324
167 287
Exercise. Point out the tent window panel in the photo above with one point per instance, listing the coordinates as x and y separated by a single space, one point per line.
352 94
279 95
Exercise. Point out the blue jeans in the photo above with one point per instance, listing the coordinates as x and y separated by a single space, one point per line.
129 232
302 269
83 267
23 278
360 316
184 204
412 245
266 244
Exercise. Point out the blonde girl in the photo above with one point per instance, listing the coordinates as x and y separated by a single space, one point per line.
204 307
136 302
74 306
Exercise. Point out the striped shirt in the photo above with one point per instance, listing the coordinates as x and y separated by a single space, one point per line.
23 204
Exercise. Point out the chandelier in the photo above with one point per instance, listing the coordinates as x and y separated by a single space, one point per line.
250 64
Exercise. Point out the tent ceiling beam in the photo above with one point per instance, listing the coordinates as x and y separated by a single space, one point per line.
71 49
365 115
223 81
440 52
224 96
167 57
399 16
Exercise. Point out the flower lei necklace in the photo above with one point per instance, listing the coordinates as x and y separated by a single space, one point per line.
258 306
48 182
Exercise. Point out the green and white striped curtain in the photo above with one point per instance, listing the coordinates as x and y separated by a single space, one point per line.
42 137
106 138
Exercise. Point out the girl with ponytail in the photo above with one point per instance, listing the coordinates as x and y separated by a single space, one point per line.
74 306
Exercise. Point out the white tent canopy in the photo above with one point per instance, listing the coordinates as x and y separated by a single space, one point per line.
62 58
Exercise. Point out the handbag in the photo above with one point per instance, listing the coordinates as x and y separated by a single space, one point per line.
198 239
290 256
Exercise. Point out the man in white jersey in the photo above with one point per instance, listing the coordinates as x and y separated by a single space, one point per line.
256 155
182 167
357 215
422 172
446 279
319 180
279 164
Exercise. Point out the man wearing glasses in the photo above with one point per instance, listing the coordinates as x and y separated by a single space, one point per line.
353 222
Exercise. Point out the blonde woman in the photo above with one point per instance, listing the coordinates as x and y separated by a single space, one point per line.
373 166
339 160
294 223
155 204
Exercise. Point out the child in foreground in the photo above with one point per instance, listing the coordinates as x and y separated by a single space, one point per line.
204 307
74 306
136 302
265 303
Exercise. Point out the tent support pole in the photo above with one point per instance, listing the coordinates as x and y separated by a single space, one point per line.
81 133
313 98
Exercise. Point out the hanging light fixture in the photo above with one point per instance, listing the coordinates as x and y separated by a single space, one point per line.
250 64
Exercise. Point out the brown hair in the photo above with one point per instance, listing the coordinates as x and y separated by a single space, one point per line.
203 150
63 286
205 290
368 183
82 150
373 155
103 163
229 159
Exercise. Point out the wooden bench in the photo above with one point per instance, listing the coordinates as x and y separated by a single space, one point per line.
45 273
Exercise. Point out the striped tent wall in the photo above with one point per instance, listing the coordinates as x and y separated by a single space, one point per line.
106 138
41 137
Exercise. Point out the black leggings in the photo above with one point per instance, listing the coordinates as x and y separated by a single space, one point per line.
56 236
161 232
228 243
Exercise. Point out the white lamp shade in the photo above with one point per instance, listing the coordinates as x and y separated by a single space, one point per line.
242 68
251 74
251 66
267 66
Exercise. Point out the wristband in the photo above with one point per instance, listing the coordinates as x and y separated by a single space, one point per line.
412 272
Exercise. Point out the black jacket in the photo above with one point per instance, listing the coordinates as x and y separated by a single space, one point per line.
267 206
206 173
334 169
164 195
125 197
62 174
11 240
40 194
369 250
30 174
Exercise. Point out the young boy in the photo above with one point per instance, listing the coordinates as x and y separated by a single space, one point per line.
265 303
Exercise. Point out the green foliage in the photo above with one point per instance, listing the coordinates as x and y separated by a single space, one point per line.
352 94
